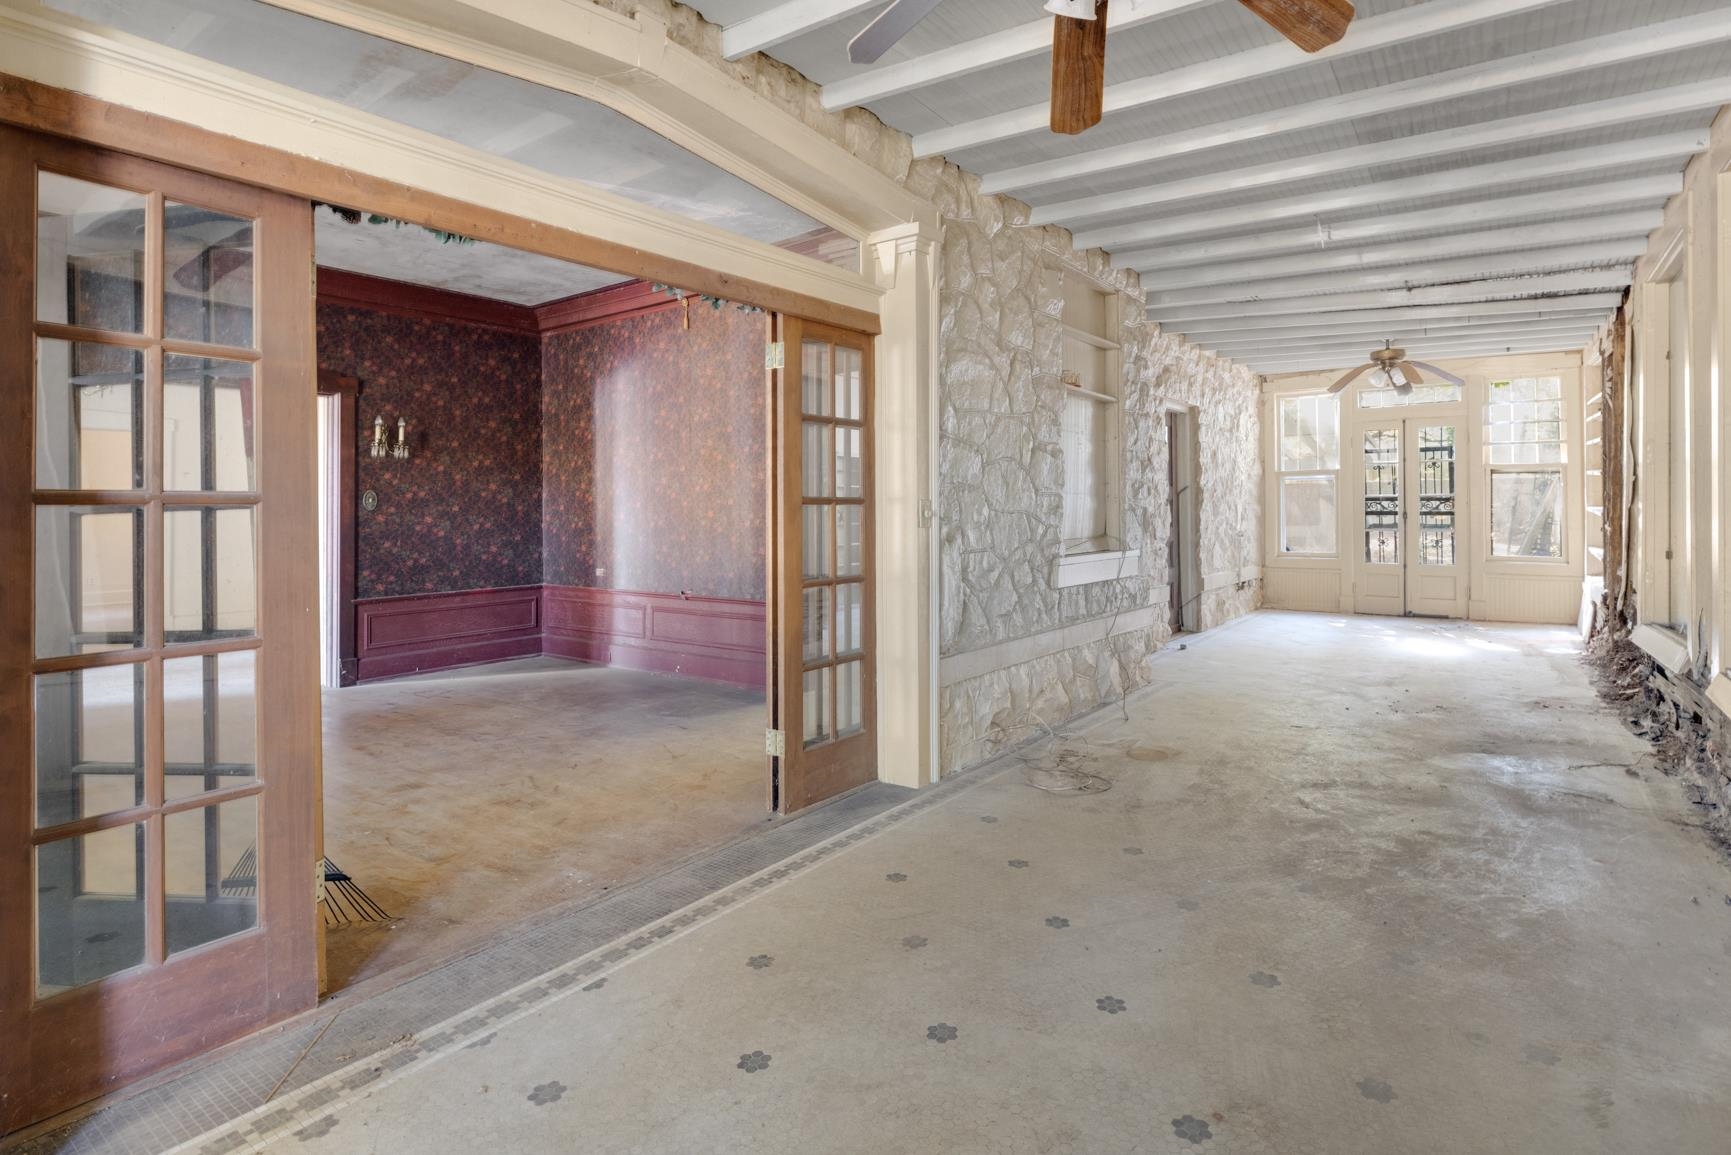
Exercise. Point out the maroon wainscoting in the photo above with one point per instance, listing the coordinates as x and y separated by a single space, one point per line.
437 631
719 639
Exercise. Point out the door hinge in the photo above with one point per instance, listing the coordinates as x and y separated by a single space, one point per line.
318 881
775 743
1667 555
775 355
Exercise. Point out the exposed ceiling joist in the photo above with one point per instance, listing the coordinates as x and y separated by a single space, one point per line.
1596 280
1472 178
784 22
1598 52
1650 191
1490 134
1343 360
1216 328
1398 27
1489 242
1402 338
1557 259
1370 331
989 51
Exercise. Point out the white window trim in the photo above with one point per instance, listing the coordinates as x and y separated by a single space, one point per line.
1565 471
1080 569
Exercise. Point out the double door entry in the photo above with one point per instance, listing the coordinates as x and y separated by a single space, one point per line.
1411 550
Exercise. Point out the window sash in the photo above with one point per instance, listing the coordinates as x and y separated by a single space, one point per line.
1326 526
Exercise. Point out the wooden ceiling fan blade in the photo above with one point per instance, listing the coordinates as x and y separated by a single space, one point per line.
1442 374
1350 377
1311 24
891 25
1078 71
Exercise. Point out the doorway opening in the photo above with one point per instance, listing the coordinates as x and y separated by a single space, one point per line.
1410 562
542 585
1183 561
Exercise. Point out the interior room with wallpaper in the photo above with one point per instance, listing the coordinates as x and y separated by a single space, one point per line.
825 575
558 583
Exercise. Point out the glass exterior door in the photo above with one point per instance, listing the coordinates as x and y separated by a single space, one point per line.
1409 561
826 675
159 731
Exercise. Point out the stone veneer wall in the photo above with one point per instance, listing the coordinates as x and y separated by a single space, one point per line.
1000 465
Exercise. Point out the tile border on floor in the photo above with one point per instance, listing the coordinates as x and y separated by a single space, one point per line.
271 1085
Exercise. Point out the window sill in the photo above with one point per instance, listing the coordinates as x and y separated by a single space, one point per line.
1719 692
1080 569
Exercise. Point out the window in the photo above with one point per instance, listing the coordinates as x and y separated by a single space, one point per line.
1525 450
1092 528
1377 398
1309 473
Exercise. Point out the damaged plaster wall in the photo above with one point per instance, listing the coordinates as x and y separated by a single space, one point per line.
1018 655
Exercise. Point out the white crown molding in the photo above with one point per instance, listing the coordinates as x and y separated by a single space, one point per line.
54 49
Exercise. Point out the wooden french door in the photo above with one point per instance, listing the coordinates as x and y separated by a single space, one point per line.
825 693
1410 560
158 646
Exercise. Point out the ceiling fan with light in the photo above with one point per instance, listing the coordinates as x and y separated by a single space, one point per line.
1079 43
1389 368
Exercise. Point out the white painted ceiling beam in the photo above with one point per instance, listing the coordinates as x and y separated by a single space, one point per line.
1562 60
1215 328
1251 342
1474 178
989 51
1651 192
1421 350
1557 259
1493 242
1510 288
1490 134
1398 27
1344 360
785 21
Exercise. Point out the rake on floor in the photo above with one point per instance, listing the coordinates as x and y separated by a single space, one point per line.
343 902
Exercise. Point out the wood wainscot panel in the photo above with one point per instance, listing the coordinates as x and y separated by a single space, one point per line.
423 632
716 639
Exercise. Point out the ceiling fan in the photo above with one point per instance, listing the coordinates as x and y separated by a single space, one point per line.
1079 43
1389 368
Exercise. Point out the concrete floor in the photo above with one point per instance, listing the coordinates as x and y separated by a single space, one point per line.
465 801
1359 886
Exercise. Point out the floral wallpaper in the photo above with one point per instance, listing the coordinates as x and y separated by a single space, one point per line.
464 511
653 453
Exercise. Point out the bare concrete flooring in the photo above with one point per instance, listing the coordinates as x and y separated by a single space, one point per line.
1358 886
465 801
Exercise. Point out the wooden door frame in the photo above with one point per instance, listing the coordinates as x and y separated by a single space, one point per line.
69 1047
341 542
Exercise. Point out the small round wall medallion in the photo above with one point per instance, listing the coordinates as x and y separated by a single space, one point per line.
369 501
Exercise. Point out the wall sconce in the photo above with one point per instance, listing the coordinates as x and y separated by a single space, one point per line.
382 446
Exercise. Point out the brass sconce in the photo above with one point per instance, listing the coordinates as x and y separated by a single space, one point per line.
382 446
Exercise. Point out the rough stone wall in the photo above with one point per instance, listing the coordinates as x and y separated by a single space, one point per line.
1001 464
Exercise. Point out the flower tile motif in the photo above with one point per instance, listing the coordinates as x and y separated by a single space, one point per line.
1019 863
755 1061
318 1128
1191 1128
914 941
546 1093
1111 1004
1264 979
1057 922
896 876
759 962
1377 1090
1133 850
941 1032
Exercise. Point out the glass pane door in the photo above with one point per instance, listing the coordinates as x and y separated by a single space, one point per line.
143 879
1408 561
825 564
